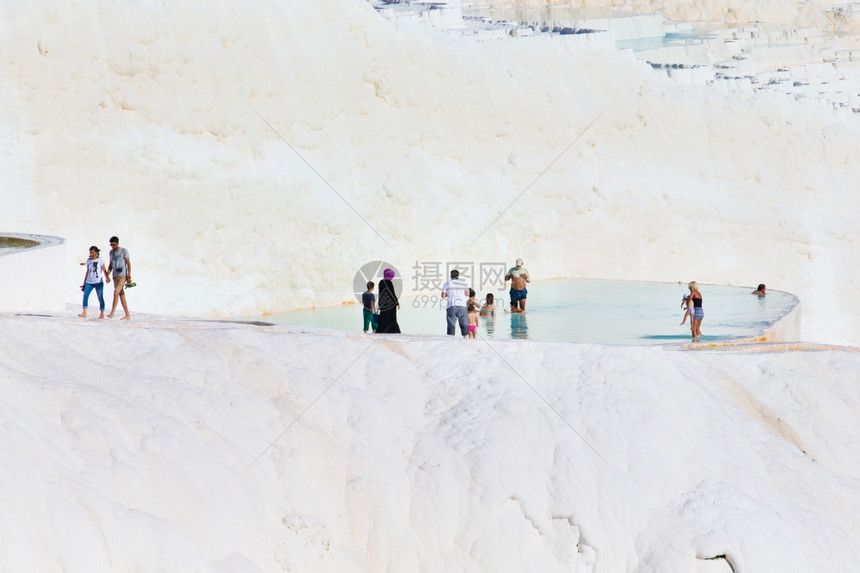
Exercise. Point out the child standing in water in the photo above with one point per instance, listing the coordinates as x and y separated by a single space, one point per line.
94 278
472 308
685 304
368 301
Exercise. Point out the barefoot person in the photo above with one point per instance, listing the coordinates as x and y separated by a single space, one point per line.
473 307
698 312
120 265
518 276
94 279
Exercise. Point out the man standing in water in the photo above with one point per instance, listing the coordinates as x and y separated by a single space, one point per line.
518 276
120 265
455 291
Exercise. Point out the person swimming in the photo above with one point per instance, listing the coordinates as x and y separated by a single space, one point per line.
489 308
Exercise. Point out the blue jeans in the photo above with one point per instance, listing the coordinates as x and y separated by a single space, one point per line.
88 288
457 314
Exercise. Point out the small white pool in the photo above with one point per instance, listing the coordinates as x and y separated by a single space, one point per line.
583 310
12 243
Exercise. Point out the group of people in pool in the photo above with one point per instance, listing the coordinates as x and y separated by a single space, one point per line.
462 307
692 304
464 310
451 291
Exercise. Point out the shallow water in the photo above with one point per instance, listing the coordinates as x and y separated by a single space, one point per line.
9 244
594 17
670 40
582 310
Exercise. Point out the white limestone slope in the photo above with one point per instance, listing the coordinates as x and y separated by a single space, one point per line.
194 446
162 444
176 127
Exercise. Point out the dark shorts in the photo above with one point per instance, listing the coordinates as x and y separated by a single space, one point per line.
518 294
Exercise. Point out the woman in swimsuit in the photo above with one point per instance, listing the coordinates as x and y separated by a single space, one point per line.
489 308
698 312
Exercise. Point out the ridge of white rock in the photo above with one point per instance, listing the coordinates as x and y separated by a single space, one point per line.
223 447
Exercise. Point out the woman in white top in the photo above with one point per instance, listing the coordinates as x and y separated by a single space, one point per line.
95 278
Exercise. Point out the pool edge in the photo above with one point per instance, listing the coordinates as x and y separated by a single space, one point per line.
787 328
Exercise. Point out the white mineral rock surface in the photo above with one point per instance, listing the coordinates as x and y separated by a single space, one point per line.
252 156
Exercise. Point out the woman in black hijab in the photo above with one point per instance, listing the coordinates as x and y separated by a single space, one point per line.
388 305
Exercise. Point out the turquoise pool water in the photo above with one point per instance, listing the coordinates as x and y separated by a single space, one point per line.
582 310
670 40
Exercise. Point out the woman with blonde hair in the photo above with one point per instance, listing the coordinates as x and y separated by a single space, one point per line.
698 312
